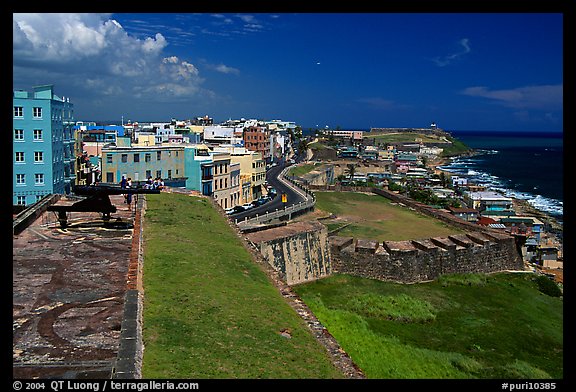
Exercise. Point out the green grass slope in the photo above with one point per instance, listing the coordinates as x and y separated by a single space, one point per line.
459 326
209 310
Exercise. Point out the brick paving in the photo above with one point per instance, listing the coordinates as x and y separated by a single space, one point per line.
68 294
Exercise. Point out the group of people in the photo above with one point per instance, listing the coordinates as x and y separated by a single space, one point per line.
157 183
127 183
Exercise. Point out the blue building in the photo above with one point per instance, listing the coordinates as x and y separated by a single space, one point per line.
198 166
43 144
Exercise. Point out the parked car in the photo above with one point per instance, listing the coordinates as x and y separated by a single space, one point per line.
260 201
247 206
235 210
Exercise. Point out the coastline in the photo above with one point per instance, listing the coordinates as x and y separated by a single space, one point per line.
521 206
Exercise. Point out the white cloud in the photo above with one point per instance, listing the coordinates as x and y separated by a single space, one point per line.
529 97
446 60
227 70
92 54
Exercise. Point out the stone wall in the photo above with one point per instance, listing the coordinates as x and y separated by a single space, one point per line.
299 251
423 260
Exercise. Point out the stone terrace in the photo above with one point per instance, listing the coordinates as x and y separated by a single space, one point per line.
68 294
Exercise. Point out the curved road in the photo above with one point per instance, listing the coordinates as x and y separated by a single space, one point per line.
294 196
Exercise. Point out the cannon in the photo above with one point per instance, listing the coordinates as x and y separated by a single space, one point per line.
97 200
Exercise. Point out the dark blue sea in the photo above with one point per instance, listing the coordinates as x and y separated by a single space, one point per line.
522 165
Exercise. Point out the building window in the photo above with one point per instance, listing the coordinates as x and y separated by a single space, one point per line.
169 173
21 200
38 135
18 111
19 156
147 157
20 179
39 178
124 158
159 173
18 134
148 174
136 157
158 155
38 156
37 112
109 177
39 197
108 158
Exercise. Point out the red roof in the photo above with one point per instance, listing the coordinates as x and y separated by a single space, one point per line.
485 221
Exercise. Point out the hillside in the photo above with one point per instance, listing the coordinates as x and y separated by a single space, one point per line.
209 310
459 326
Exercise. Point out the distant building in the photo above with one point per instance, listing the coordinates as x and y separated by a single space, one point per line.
141 163
258 139
222 182
355 136
42 144
489 203
198 168
467 214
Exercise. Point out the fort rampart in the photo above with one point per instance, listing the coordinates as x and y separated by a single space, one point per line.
300 251
423 260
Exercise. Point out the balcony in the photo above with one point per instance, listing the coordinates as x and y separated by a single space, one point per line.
207 177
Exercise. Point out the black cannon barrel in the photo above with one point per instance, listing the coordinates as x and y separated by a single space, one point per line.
88 190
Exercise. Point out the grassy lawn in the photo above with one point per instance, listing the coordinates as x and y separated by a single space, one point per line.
209 310
459 326
375 217
400 137
300 170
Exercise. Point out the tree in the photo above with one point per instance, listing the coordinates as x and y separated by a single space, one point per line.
350 170
303 148
443 179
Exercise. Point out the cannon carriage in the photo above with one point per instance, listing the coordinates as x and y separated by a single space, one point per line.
97 199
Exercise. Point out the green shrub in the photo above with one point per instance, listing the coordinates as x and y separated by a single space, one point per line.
548 286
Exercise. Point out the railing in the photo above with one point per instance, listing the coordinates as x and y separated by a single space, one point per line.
286 212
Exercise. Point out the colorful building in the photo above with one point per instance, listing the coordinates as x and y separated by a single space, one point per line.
198 168
43 144
141 163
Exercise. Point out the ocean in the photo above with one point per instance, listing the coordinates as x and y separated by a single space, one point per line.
522 165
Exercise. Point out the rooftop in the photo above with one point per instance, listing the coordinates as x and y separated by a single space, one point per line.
68 294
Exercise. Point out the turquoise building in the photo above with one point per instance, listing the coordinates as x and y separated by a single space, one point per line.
198 165
43 144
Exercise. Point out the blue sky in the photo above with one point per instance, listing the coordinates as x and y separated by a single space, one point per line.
464 71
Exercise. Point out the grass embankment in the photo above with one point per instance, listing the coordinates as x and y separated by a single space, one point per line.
460 326
375 217
209 310
300 170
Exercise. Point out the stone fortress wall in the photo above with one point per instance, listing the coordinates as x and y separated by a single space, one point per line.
304 251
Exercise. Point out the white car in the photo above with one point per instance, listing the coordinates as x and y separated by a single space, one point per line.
247 206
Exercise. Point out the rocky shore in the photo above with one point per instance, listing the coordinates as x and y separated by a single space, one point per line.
521 206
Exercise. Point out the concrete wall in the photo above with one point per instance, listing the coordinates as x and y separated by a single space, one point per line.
299 252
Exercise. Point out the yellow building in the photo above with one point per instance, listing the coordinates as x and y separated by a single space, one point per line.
251 163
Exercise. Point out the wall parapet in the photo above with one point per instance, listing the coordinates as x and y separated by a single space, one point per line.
421 260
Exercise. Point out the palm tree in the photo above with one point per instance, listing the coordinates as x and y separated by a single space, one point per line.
303 148
350 170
